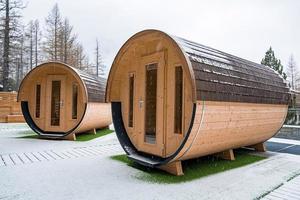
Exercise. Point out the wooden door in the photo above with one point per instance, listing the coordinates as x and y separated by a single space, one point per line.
151 104
55 103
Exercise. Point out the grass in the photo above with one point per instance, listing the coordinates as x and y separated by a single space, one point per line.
193 169
32 136
82 137
89 136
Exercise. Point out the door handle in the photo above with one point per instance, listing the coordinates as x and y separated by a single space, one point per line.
61 103
141 103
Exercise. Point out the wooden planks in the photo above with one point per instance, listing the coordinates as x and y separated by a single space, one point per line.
95 115
230 129
10 109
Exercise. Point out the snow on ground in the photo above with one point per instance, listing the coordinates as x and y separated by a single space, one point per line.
96 176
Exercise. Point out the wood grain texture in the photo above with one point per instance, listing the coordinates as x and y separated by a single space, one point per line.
43 75
235 125
10 109
98 115
250 116
135 55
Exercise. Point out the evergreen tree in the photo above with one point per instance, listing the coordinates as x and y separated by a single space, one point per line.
271 61
10 14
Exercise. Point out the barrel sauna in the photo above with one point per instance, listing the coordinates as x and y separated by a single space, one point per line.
59 101
173 99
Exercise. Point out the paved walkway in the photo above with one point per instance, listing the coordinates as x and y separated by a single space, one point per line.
43 169
19 158
290 190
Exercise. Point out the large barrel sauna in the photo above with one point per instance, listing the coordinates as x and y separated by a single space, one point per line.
173 99
59 101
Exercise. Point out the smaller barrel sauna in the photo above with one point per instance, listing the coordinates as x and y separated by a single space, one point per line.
59 101
173 99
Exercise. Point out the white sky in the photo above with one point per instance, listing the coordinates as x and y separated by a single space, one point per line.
245 28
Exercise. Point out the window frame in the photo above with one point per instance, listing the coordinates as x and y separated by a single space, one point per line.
176 129
38 100
72 113
131 93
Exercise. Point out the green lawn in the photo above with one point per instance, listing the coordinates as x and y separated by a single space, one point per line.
193 169
82 137
31 136
89 136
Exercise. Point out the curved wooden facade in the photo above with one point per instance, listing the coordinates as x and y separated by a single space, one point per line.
58 101
174 99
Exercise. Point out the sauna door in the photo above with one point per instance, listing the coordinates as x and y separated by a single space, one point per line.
55 100
151 109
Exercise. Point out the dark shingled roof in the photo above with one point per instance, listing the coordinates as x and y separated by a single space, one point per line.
95 86
223 77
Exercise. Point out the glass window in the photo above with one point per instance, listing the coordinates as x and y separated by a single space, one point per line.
55 103
178 100
131 95
150 110
37 101
74 101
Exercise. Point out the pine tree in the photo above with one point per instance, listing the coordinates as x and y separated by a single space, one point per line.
271 61
20 60
10 30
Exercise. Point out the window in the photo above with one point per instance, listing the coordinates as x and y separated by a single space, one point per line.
74 101
37 101
178 100
55 103
150 112
131 95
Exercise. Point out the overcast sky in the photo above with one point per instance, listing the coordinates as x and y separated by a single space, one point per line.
243 28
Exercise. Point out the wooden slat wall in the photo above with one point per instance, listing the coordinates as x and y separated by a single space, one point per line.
97 115
229 125
10 109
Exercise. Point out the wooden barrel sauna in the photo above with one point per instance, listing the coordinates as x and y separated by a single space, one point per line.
173 99
58 100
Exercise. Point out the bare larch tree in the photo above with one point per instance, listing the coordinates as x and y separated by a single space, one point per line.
100 67
37 34
292 73
53 28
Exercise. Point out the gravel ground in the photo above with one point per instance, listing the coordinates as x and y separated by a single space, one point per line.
91 174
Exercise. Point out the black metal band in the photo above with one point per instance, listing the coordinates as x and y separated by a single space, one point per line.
149 160
45 134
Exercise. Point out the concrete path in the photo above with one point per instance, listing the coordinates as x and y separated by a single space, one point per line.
20 158
84 170
289 190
